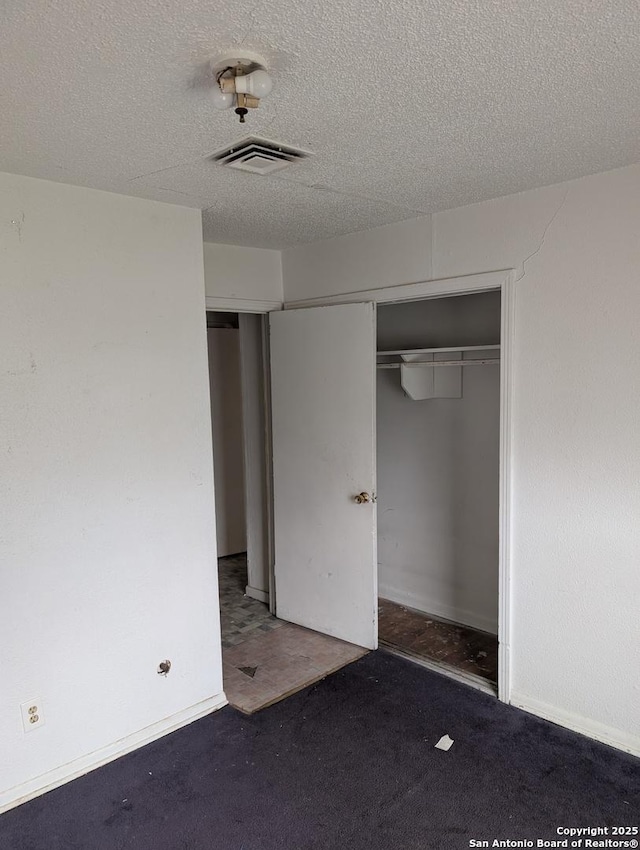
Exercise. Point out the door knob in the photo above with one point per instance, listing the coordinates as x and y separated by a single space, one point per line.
362 498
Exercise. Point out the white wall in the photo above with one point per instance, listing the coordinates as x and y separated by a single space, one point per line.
576 632
107 549
382 256
255 459
437 479
242 274
228 444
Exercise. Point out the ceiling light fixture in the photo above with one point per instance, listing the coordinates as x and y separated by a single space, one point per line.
241 81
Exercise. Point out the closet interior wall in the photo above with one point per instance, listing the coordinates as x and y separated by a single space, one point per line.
223 338
438 467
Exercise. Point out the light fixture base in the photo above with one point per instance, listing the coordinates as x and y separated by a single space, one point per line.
241 80
232 58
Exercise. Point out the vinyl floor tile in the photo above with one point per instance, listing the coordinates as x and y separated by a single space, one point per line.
240 616
283 665
286 657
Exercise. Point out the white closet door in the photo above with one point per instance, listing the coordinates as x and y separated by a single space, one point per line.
323 406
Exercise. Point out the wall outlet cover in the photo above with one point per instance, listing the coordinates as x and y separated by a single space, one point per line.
32 715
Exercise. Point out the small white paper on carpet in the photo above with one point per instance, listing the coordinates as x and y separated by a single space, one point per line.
445 743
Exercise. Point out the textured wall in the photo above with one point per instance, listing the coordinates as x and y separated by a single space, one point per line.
394 253
253 274
108 545
576 633
576 638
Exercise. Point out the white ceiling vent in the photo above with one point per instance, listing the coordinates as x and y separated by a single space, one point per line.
258 156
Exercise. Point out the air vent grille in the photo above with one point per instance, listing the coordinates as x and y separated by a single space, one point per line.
258 156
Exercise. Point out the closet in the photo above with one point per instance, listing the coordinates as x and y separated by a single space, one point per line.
438 417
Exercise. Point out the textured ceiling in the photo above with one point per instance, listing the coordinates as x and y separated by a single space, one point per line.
409 107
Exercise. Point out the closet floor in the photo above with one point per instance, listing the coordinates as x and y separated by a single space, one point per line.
265 659
424 636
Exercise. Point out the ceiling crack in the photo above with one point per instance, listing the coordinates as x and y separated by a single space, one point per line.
178 192
273 118
253 22
168 168
355 195
544 234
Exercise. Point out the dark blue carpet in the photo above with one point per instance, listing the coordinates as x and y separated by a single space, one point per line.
348 763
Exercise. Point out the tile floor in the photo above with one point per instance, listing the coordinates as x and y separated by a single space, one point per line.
270 667
415 633
265 659
240 616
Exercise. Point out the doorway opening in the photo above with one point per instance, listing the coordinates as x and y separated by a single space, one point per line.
265 658
438 482
237 389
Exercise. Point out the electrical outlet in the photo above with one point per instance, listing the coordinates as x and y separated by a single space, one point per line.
32 716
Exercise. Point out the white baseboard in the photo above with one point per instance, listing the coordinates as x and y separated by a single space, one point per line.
255 593
583 725
430 606
78 767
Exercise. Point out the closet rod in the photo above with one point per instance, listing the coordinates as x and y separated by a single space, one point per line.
434 363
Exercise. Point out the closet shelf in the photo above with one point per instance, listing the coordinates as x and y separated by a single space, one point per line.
437 363
448 350
410 357
421 376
